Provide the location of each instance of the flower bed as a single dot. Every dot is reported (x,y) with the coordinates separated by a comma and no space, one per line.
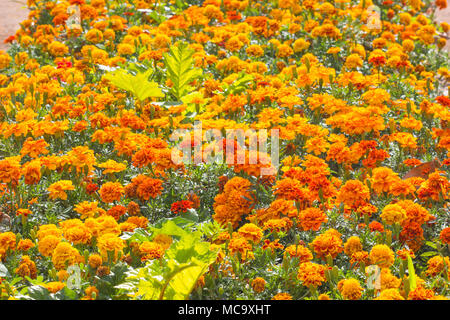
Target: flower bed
(225,150)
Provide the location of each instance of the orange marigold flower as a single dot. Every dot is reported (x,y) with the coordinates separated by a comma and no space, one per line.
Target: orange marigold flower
(258,284)
(95,261)
(382,255)
(311,274)
(251,232)
(350,289)
(282,296)
(57,189)
(25,245)
(111,191)
(420,293)
(312,219)
(149,188)
(151,250)
(327,244)
(354,193)
(445,235)
(382,179)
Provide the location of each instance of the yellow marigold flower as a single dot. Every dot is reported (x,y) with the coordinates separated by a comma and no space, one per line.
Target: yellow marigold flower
(382,255)
(95,261)
(299,251)
(112,166)
(392,214)
(388,280)
(300,45)
(352,245)
(390,294)
(5,59)
(57,189)
(65,255)
(350,289)
(87,209)
(47,244)
(163,240)
(58,49)
(109,242)
(54,286)
(284,50)
(48,229)
(125,49)
(254,50)
(151,250)
(7,241)
(94,35)
(353,61)
(251,232)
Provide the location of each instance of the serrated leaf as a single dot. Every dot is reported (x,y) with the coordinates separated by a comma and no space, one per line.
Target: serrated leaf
(180,69)
(138,84)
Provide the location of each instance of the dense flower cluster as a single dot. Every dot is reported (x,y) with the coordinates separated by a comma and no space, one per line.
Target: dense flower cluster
(348,199)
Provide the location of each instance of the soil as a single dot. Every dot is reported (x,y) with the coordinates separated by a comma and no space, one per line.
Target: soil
(12,12)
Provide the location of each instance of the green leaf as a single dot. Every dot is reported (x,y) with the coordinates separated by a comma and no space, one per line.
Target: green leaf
(180,69)
(176,274)
(429,253)
(412,274)
(137,84)
(38,292)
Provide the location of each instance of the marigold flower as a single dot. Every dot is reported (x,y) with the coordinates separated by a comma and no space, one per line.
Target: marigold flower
(392,214)
(445,235)
(299,251)
(312,218)
(311,274)
(327,244)
(151,250)
(381,255)
(282,296)
(111,191)
(57,189)
(109,242)
(258,284)
(352,245)
(65,255)
(350,289)
(95,261)
(390,294)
